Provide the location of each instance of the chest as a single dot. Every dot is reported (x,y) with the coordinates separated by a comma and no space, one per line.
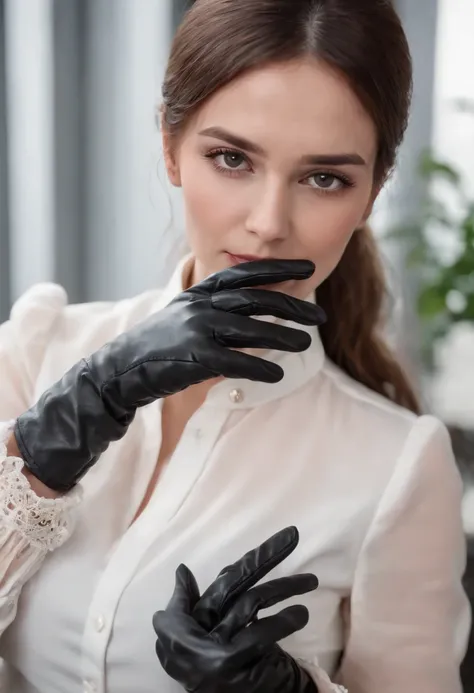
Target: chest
(176,411)
(233,479)
(86,625)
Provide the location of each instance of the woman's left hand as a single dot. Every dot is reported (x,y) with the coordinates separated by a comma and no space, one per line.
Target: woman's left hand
(215,644)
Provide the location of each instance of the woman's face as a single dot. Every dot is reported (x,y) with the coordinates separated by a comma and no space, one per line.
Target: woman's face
(277,164)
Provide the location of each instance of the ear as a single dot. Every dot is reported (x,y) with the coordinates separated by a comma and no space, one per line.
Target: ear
(170,155)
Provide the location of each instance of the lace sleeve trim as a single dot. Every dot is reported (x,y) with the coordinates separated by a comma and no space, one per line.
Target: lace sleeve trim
(45,523)
(320,677)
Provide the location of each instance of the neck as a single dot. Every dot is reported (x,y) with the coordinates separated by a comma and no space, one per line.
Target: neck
(190,274)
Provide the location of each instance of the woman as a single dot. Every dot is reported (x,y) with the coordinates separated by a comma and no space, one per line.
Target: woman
(281,120)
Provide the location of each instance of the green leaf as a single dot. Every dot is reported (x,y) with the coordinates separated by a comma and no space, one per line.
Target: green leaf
(468,228)
(436,211)
(404,232)
(438,274)
(421,255)
(429,168)
(431,302)
(467,315)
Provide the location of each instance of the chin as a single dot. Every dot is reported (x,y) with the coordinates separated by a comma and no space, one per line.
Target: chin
(201,270)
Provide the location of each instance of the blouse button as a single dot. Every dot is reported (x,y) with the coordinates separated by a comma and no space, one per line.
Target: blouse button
(99,624)
(236,396)
(89,687)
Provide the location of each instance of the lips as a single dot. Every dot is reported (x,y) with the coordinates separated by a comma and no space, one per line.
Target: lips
(238,259)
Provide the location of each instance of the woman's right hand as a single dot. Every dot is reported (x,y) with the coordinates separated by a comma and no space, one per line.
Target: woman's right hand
(191,340)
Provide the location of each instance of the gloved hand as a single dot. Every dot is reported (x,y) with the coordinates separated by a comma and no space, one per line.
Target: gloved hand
(93,404)
(215,644)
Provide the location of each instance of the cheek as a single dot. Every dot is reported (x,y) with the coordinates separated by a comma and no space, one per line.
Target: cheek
(326,230)
(211,210)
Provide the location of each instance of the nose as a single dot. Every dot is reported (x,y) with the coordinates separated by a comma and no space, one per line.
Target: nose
(270,216)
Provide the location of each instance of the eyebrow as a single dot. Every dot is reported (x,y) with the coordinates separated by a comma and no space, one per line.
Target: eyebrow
(311,159)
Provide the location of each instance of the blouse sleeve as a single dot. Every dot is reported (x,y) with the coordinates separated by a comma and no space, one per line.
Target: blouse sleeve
(410,617)
(30,526)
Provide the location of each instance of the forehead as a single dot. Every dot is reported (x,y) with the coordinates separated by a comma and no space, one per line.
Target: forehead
(305,99)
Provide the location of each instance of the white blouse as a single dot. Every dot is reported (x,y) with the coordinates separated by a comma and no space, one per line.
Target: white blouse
(373,490)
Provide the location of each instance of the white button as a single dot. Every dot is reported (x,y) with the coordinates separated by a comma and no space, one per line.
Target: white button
(198,433)
(89,687)
(99,624)
(236,396)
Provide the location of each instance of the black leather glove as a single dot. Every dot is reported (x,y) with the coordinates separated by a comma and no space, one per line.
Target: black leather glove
(76,419)
(215,644)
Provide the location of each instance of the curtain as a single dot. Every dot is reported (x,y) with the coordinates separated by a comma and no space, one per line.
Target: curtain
(84,199)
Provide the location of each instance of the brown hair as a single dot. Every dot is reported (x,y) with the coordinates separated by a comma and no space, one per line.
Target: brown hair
(218,40)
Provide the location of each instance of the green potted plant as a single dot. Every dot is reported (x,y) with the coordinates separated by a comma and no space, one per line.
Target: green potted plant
(439,248)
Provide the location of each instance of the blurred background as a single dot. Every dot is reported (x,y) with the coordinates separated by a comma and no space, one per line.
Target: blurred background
(84,199)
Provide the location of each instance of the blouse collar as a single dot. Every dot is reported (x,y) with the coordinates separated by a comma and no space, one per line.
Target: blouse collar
(241,393)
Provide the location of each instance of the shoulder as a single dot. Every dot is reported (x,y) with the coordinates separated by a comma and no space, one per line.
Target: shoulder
(401,462)
(45,307)
(38,308)
(381,437)
(100,321)
(52,334)
(354,394)
(358,408)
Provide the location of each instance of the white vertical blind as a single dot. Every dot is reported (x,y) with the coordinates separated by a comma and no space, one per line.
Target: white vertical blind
(127,205)
(29,99)
(88,203)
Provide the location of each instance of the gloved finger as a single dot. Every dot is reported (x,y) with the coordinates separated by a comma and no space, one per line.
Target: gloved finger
(260,597)
(186,591)
(235,364)
(271,629)
(182,646)
(240,333)
(237,578)
(257,273)
(261,302)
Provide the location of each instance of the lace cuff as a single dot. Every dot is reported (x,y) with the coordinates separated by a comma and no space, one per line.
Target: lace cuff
(45,523)
(320,677)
